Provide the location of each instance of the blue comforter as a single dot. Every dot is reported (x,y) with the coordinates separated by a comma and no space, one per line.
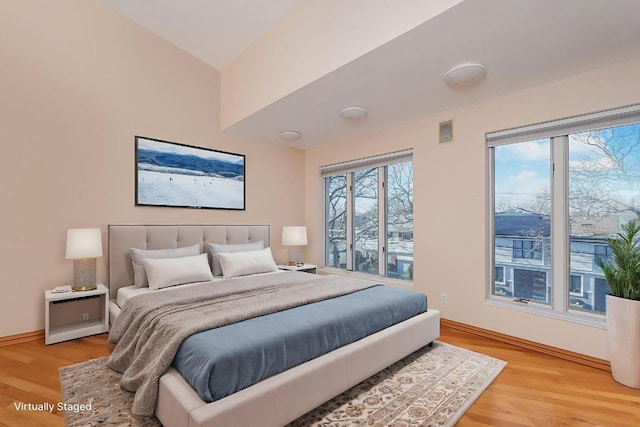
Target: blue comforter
(221,361)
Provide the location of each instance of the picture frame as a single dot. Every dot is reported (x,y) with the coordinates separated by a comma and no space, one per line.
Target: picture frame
(171,174)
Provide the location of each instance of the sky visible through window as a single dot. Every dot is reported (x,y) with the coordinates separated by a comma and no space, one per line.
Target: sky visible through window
(522,175)
(607,162)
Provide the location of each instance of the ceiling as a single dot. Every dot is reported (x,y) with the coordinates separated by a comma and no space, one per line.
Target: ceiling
(215,31)
(521,44)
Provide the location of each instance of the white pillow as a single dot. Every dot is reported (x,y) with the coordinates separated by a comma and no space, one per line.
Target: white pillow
(216,248)
(243,263)
(164,272)
(137,255)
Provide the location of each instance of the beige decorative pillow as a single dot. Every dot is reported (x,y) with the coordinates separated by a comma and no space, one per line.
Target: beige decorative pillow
(164,272)
(137,255)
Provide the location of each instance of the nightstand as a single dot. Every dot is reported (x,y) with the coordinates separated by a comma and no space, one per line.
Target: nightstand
(306,268)
(71,315)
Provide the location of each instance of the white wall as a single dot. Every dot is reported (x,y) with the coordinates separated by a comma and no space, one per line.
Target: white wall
(77,82)
(450,197)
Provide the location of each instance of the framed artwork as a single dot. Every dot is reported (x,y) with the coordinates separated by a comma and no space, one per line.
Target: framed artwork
(178,175)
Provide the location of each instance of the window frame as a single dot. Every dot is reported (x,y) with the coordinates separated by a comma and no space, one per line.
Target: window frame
(558,132)
(326,214)
(350,168)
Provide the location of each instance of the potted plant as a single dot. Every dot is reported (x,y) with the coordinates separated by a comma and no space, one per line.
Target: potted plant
(622,273)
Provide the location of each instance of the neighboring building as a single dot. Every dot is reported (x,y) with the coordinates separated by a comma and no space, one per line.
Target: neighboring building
(523,256)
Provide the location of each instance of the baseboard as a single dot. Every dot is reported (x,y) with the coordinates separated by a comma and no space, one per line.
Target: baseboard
(20,338)
(529,345)
(463,327)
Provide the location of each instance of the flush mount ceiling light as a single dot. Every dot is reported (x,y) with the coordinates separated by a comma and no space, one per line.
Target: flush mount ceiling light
(353,113)
(464,74)
(290,135)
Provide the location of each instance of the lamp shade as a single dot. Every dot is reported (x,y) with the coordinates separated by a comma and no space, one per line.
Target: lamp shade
(84,243)
(294,235)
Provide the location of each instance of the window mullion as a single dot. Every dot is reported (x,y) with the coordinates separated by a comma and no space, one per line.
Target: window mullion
(382,221)
(349,237)
(490,221)
(560,245)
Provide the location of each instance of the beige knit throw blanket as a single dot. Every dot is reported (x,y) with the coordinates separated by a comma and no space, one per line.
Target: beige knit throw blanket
(151,327)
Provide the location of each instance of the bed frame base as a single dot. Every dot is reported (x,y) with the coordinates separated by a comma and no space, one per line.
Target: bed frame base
(283,398)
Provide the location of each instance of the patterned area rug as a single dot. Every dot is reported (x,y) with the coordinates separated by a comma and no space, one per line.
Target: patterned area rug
(431,387)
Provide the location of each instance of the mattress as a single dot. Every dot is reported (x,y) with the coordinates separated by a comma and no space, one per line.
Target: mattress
(127,292)
(222,361)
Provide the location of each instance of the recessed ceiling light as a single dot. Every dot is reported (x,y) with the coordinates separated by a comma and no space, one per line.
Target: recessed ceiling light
(353,113)
(290,135)
(464,74)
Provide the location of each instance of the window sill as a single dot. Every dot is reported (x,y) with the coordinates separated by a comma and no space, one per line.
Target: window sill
(372,277)
(592,320)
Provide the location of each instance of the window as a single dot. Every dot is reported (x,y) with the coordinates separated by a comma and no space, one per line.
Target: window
(575,285)
(601,290)
(522,218)
(369,215)
(558,190)
(365,220)
(501,287)
(336,221)
(399,219)
(527,249)
(602,252)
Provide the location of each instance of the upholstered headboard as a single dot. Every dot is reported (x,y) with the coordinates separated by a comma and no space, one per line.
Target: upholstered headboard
(124,237)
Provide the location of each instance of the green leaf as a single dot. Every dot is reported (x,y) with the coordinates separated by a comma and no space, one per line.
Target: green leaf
(623,271)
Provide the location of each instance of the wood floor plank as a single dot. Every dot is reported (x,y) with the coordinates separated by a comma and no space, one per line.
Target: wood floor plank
(546,391)
(29,373)
(533,390)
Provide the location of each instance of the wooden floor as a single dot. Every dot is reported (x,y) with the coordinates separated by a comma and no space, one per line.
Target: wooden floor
(539,390)
(533,390)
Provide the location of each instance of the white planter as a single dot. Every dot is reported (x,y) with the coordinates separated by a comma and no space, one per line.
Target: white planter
(623,335)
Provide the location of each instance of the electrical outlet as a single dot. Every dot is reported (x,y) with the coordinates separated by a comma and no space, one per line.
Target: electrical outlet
(85,316)
(443,298)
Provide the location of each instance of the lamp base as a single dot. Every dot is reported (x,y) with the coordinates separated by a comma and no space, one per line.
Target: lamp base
(84,288)
(84,274)
(295,256)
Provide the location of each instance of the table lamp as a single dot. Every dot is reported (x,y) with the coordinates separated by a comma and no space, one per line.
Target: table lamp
(83,246)
(294,236)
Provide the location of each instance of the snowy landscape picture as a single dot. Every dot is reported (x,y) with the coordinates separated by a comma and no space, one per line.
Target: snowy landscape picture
(178,175)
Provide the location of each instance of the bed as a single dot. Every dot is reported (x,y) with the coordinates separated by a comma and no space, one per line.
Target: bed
(280,398)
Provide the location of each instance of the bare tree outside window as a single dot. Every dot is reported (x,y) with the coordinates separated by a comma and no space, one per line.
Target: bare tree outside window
(336,221)
(365,221)
(604,190)
(367,230)
(400,220)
